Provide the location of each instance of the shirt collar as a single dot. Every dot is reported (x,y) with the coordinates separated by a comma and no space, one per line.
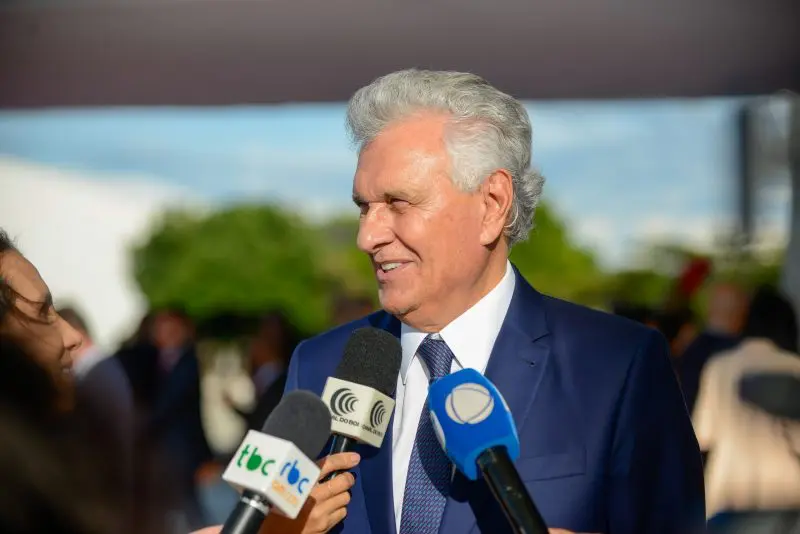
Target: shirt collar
(91,357)
(471,335)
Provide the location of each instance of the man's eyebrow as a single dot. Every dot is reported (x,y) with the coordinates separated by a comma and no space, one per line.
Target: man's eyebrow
(358,200)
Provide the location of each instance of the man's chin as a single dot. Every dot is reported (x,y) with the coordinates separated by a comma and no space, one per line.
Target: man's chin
(397,308)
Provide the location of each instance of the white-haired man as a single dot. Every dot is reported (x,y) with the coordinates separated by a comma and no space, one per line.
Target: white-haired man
(445,188)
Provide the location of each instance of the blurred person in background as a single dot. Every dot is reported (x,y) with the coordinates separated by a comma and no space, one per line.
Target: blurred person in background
(676,320)
(269,352)
(346,309)
(173,421)
(750,465)
(727,308)
(678,326)
(103,392)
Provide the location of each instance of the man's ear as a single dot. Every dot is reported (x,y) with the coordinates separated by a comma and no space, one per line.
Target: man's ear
(498,196)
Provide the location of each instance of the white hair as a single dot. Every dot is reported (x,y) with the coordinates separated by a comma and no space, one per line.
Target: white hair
(489,130)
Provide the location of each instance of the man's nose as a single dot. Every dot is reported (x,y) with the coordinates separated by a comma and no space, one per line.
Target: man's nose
(374,230)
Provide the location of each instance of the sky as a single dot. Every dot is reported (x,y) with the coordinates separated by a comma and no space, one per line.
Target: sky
(620,172)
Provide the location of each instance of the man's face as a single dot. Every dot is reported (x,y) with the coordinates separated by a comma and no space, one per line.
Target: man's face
(35,325)
(426,238)
(170,331)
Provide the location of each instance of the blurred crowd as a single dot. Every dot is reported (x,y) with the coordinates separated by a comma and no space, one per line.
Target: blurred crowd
(115,442)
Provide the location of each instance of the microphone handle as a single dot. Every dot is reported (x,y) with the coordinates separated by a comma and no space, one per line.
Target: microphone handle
(248,516)
(508,489)
(339,444)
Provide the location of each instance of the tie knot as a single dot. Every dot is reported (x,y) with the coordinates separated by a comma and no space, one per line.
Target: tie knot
(437,356)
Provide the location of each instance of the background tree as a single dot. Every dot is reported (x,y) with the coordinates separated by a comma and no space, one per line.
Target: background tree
(557,266)
(246,259)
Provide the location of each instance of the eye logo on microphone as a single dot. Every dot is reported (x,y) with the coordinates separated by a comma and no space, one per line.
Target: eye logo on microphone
(469,404)
(343,402)
(377,414)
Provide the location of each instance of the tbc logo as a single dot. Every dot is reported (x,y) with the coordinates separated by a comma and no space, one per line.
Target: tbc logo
(255,462)
(343,402)
(377,414)
(294,477)
(469,404)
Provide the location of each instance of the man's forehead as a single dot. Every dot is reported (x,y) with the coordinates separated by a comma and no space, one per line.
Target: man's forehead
(410,169)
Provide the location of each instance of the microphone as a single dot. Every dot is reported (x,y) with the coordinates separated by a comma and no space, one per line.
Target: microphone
(274,467)
(360,395)
(475,428)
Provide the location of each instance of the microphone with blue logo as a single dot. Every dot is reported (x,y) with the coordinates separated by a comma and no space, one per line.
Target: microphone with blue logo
(273,468)
(477,432)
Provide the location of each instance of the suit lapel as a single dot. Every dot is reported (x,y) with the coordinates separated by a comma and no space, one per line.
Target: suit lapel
(376,465)
(517,363)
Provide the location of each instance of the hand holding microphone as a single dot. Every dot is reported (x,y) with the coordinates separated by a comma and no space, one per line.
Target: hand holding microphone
(272,467)
(326,505)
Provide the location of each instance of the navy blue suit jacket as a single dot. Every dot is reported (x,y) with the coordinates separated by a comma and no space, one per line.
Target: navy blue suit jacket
(606,443)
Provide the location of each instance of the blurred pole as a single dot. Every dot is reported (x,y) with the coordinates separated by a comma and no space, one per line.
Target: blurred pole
(791,268)
(747,173)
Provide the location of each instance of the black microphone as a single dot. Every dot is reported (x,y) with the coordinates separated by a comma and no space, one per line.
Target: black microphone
(361,393)
(274,467)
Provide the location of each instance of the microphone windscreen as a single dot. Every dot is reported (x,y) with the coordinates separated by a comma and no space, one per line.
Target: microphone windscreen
(371,358)
(470,416)
(301,418)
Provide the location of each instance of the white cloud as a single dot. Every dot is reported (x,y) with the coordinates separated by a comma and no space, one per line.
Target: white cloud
(600,234)
(77,229)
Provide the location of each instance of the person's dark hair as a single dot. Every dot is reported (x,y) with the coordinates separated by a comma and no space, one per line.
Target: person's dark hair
(25,387)
(74,319)
(289,335)
(772,316)
(672,321)
(7,295)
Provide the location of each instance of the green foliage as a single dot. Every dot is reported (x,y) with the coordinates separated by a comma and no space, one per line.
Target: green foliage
(245,259)
(641,287)
(249,259)
(555,265)
(344,262)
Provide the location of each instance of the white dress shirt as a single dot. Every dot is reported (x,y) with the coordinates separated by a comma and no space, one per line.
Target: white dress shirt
(470,337)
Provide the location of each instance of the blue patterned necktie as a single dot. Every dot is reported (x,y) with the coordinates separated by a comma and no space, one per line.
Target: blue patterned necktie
(428,478)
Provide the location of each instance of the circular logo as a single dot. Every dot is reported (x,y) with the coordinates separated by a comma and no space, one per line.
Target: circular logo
(343,402)
(377,414)
(469,404)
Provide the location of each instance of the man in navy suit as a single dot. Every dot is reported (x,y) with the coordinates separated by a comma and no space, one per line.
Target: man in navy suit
(445,189)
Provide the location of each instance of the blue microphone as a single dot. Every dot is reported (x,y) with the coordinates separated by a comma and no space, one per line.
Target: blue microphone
(477,432)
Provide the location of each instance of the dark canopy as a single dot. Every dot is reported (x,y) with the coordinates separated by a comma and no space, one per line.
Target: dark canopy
(207,52)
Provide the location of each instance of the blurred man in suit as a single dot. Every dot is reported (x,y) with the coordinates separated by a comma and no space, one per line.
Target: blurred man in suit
(102,388)
(727,308)
(270,350)
(173,421)
(445,188)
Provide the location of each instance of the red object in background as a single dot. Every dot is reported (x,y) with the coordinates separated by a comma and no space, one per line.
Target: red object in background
(693,276)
